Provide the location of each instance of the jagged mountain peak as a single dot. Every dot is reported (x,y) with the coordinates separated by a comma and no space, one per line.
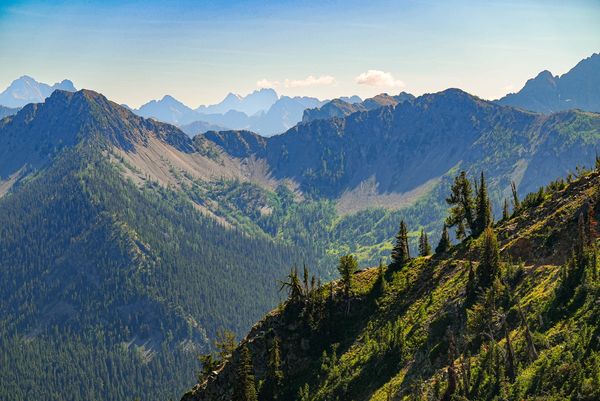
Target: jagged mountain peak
(26,89)
(546,93)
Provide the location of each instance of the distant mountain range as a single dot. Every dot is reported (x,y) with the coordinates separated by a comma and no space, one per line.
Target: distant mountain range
(431,135)
(577,89)
(270,114)
(341,108)
(26,90)
(258,101)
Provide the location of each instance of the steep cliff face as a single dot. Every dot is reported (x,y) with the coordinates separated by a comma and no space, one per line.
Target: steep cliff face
(413,333)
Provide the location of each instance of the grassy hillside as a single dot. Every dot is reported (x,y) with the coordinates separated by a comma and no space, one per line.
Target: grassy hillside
(426,332)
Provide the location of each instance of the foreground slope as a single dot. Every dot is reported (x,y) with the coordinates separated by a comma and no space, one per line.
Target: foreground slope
(415,334)
(112,279)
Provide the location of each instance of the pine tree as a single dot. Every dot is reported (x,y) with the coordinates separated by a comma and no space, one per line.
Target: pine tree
(444,244)
(461,202)
(294,286)
(347,266)
(245,386)
(471,290)
(489,264)
(400,252)
(505,212)
(483,208)
(516,202)
(274,375)
(424,247)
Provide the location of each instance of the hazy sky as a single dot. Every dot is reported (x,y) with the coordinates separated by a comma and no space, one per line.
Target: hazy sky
(198,51)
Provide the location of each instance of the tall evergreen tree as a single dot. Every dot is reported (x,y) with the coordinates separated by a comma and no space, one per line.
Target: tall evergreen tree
(505,211)
(401,252)
(471,290)
(483,208)
(489,263)
(424,247)
(516,202)
(274,376)
(444,244)
(461,202)
(347,266)
(246,387)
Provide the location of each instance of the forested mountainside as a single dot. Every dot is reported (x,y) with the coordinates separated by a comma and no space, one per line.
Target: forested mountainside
(510,313)
(433,135)
(579,88)
(110,286)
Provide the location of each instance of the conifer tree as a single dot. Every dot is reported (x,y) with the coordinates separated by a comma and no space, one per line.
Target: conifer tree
(444,244)
(400,252)
(516,202)
(505,212)
(294,286)
(245,386)
(489,264)
(424,247)
(483,208)
(347,266)
(274,375)
(471,290)
(461,202)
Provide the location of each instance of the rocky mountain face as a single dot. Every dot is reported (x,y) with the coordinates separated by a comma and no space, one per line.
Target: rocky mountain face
(341,108)
(258,101)
(415,332)
(26,90)
(577,89)
(432,134)
(168,110)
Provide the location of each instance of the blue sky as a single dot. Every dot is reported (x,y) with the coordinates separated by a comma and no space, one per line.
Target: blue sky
(198,51)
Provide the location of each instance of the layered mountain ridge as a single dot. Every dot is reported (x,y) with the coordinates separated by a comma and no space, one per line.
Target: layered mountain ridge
(579,88)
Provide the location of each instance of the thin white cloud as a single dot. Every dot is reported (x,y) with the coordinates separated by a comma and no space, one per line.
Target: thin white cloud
(379,79)
(311,80)
(265,83)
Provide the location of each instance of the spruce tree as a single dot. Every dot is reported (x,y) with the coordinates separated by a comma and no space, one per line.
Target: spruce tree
(483,208)
(347,266)
(400,252)
(424,247)
(489,264)
(505,212)
(471,290)
(274,375)
(444,244)
(461,202)
(245,386)
(516,202)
